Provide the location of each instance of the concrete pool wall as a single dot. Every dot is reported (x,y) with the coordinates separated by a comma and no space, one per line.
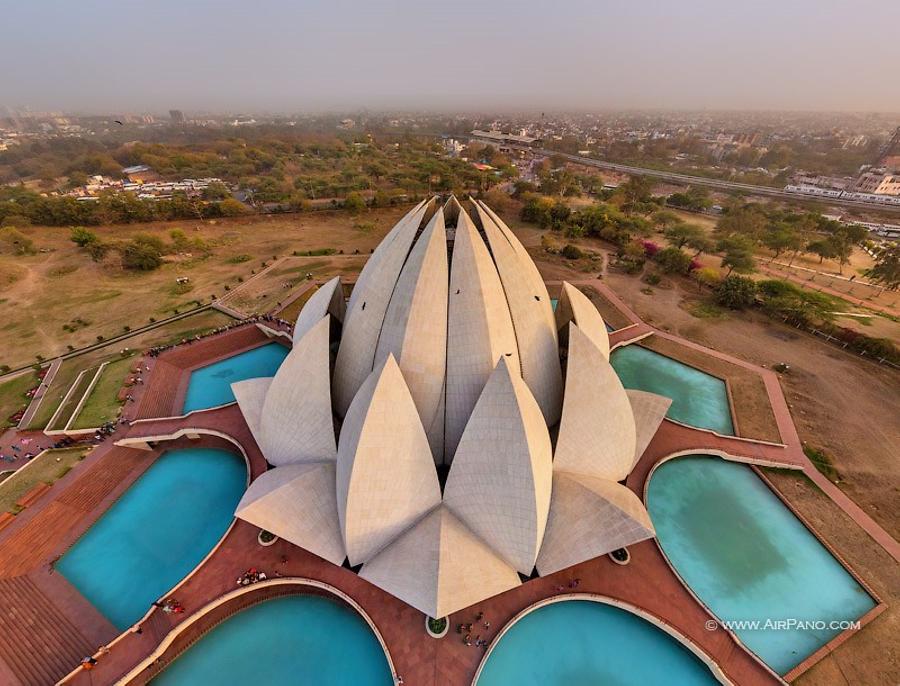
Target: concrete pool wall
(658,622)
(879,606)
(223,608)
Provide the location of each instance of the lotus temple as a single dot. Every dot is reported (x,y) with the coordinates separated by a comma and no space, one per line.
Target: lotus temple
(444,471)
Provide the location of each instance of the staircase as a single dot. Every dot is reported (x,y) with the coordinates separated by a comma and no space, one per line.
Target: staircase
(37,642)
(28,547)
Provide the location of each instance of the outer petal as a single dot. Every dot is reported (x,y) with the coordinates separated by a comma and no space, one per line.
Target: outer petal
(386,480)
(296,423)
(298,503)
(596,432)
(649,410)
(590,517)
(251,396)
(576,307)
(328,299)
(500,481)
(439,566)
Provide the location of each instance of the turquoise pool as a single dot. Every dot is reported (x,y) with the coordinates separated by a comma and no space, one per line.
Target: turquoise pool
(156,533)
(748,557)
(698,399)
(211,386)
(579,642)
(289,640)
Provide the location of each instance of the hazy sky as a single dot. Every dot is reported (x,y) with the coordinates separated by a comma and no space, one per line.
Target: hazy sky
(280,55)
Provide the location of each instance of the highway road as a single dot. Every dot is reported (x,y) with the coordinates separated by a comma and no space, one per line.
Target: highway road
(685,179)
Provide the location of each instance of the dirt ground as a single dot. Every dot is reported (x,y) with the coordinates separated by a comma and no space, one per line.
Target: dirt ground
(42,293)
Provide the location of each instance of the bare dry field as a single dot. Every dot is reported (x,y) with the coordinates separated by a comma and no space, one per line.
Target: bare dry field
(268,290)
(40,294)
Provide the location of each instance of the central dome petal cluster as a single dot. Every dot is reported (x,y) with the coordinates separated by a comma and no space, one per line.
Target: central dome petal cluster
(447,361)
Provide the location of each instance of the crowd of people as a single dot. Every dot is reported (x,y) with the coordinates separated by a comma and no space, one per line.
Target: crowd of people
(26,448)
(251,576)
(465,630)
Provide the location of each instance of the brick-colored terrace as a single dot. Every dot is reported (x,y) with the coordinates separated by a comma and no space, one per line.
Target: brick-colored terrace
(28,546)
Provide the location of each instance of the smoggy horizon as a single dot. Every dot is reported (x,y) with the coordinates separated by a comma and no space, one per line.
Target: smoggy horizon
(99,57)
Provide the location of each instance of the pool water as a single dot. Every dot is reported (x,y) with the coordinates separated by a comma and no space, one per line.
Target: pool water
(748,557)
(698,399)
(299,639)
(579,642)
(210,386)
(156,533)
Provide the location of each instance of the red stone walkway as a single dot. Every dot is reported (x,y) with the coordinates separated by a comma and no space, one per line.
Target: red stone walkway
(647,583)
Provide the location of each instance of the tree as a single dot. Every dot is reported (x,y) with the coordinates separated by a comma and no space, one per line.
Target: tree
(824,248)
(679,234)
(843,238)
(666,219)
(748,221)
(636,190)
(886,270)
(232,207)
(15,220)
(781,237)
(701,244)
(695,199)
(633,256)
(736,292)
(673,261)
(142,256)
(707,276)
(738,254)
(216,191)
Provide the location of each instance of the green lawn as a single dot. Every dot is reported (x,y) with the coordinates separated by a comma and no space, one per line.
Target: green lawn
(48,468)
(102,404)
(12,396)
(79,390)
(184,328)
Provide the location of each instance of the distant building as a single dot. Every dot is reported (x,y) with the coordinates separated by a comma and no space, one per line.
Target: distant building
(177,116)
(500,138)
(140,173)
(878,182)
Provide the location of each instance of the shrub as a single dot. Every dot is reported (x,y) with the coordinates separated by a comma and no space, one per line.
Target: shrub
(83,237)
(673,260)
(650,248)
(15,242)
(572,252)
(736,292)
(140,256)
(354,203)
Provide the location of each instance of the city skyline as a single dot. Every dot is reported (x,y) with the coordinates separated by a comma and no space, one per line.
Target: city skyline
(100,57)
